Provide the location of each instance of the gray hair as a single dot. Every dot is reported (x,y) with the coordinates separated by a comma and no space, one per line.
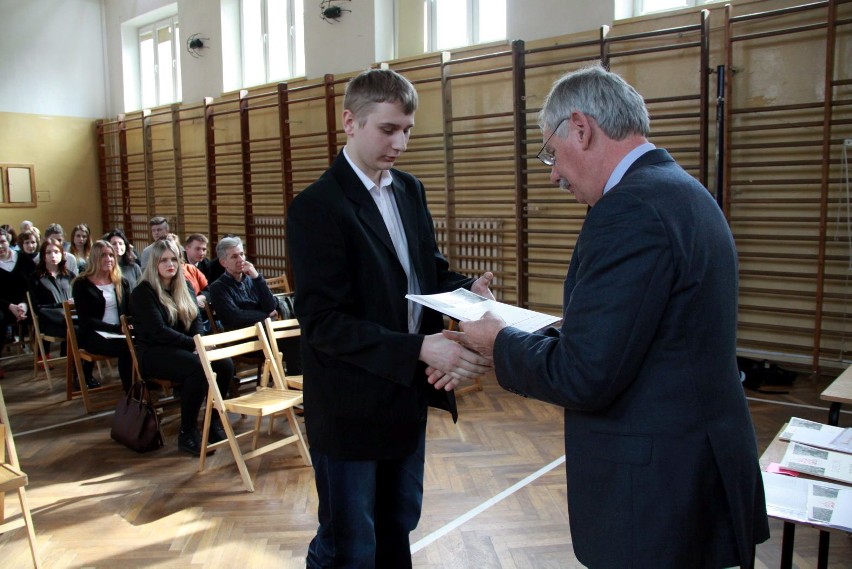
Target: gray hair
(617,107)
(225,244)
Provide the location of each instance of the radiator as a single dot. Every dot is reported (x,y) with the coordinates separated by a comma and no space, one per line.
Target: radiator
(479,246)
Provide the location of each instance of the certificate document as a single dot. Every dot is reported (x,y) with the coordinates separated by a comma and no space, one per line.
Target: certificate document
(463,305)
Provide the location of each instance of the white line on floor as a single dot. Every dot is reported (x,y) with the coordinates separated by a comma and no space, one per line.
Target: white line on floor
(56,426)
(435,535)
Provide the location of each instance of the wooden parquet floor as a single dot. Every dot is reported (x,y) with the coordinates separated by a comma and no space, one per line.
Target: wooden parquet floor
(495,493)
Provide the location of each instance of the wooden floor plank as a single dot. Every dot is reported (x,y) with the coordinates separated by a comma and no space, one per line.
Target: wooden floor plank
(97,504)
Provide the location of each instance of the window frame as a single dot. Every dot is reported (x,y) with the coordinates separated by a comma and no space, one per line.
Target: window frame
(639,6)
(172,23)
(431,28)
(295,68)
(6,190)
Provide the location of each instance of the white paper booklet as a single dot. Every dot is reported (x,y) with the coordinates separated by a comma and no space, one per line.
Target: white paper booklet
(806,500)
(464,305)
(818,462)
(818,435)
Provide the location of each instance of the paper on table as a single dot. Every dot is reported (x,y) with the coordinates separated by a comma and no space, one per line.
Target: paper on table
(803,500)
(818,435)
(818,462)
(110,335)
(463,305)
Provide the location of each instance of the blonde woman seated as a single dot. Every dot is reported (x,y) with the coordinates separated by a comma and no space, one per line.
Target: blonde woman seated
(165,319)
(100,296)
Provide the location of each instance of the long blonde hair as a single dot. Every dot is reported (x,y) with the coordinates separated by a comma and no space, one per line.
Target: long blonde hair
(94,263)
(177,300)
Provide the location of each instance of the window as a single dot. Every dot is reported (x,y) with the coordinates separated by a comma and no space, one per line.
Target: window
(457,23)
(17,185)
(159,63)
(273,44)
(650,6)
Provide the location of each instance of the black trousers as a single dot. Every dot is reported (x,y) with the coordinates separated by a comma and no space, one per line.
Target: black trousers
(112,347)
(184,367)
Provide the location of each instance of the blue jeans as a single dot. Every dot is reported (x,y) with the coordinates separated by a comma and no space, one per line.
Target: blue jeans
(367,508)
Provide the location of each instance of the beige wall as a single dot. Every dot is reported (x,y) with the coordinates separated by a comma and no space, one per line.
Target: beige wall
(64,154)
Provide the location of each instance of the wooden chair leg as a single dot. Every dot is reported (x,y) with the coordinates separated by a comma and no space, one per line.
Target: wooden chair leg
(28,523)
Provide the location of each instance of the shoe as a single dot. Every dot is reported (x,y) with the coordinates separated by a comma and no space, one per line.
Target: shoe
(92,383)
(41,361)
(217,431)
(190,441)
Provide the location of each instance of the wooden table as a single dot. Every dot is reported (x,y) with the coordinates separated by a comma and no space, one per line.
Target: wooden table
(839,392)
(774,453)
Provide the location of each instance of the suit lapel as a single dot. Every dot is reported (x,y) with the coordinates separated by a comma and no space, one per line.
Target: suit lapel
(365,207)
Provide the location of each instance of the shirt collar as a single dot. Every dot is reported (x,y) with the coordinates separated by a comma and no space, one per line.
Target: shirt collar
(386,179)
(626,163)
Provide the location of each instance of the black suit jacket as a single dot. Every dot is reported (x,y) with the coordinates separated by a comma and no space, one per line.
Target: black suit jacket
(365,391)
(660,450)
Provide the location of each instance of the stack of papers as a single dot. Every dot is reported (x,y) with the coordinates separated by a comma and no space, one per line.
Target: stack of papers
(819,450)
(808,501)
(463,305)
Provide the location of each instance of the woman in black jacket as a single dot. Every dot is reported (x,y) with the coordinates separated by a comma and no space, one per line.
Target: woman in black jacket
(130,269)
(15,271)
(165,319)
(50,286)
(101,296)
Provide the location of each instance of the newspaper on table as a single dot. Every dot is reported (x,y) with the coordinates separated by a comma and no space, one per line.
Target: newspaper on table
(808,501)
(818,435)
(463,305)
(818,462)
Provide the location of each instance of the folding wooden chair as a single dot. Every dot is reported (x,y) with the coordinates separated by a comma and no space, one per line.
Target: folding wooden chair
(39,339)
(264,402)
(279,284)
(78,356)
(127,328)
(12,478)
(250,366)
(278,330)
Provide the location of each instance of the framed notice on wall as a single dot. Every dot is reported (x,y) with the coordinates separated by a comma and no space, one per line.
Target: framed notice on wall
(17,185)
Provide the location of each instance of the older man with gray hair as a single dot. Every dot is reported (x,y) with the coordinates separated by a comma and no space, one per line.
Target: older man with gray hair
(241,297)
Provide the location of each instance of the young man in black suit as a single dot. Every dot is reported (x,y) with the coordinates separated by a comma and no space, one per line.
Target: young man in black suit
(361,238)
(660,450)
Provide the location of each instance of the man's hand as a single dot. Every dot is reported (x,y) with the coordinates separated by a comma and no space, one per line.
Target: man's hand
(449,362)
(201,301)
(480,285)
(478,335)
(249,270)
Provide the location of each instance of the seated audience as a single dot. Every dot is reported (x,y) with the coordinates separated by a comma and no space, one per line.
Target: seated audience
(101,297)
(15,271)
(192,274)
(50,286)
(26,225)
(196,254)
(28,243)
(241,298)
(81,245)
(13,236)
(165,319)
(159,229)
(55,231)
(130,269)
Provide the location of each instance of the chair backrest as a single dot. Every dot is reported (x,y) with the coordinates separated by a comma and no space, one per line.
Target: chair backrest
(279,284)
(278,330)
(70,331)
(127,328)
(8,445)
(232,344)
(211,317)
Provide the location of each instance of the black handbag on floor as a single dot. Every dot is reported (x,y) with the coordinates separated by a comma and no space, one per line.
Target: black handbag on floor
(135,424)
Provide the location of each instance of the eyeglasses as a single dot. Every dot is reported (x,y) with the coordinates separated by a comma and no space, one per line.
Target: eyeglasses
(546,156)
